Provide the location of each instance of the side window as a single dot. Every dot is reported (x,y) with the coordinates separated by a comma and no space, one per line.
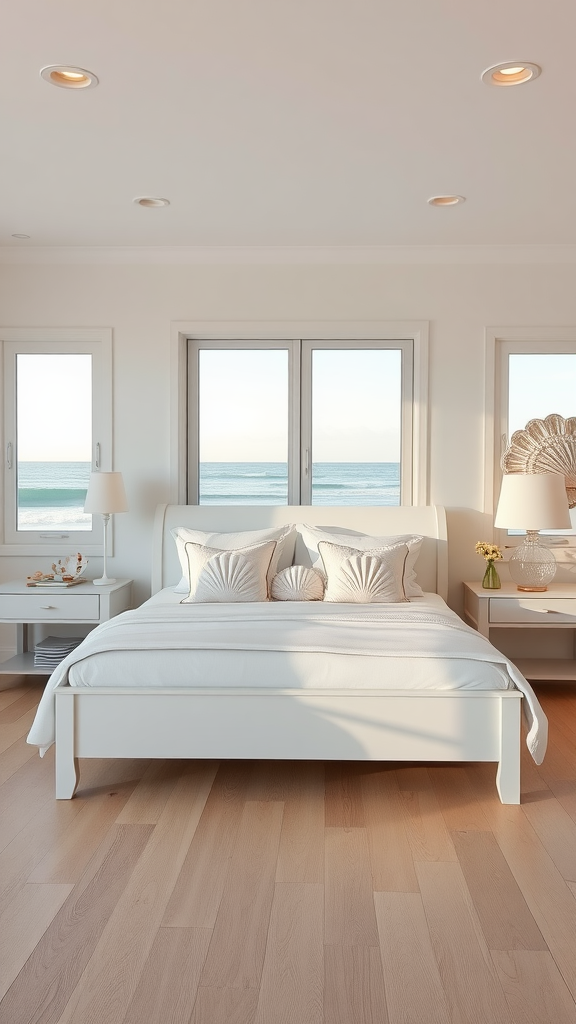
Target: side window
(535,380)
(301,422)
(539,384)
(57,399)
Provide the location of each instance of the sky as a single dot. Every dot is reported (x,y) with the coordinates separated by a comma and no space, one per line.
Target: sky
(244,405)
(540,385)
(54,400)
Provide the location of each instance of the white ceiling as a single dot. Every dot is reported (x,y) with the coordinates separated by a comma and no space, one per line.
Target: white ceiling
(287,123)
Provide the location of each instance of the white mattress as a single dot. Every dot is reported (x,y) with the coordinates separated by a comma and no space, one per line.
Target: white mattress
(292,669)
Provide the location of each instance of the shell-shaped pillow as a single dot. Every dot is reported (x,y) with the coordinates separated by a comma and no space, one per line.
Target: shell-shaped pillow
(297,583)
(285,537)
(362,577)
(312,535)
(228,576)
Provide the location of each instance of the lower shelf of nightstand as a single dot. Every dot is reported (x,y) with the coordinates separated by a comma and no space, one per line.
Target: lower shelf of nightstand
(547,669)
(22,665)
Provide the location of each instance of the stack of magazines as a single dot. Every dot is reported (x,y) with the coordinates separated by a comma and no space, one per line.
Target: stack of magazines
(48,653)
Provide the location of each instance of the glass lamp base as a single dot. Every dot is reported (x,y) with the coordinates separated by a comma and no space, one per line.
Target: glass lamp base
(532,565)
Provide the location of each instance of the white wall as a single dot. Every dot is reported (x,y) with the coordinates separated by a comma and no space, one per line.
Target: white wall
(140,301)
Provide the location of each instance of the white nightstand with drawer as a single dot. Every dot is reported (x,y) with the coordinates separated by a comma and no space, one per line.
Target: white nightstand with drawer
(510,608)
(84,604)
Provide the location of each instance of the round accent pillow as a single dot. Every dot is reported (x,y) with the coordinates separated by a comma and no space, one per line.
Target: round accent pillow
(297,583)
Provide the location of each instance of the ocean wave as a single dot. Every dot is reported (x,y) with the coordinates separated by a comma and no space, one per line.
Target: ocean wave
(219,475)
(51,496)
(242,498)
(332,487)
(61,519)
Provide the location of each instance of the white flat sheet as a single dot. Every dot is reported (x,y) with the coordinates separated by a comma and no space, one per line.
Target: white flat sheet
(272,668)
(421,645)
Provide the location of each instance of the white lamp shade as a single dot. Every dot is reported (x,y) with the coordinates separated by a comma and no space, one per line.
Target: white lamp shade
(106,494)
(533,501)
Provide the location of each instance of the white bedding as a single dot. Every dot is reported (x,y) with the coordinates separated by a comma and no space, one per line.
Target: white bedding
(418,645)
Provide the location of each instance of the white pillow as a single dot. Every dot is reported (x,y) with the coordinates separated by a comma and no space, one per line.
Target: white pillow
(285,537)
(312,535)
(228,576)
(363,577)
(297,583)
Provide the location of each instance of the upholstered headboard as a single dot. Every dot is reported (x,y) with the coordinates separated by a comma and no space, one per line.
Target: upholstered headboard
(428,520)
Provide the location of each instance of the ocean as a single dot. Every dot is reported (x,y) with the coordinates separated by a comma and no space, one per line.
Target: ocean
(51,494)
(333,483)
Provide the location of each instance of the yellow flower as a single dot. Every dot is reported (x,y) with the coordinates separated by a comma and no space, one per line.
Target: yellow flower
(490,552)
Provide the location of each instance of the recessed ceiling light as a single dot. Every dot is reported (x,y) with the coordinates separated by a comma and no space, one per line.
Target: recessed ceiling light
(20,236)
(68,77)
(151,201)
(512,72)
(446,200)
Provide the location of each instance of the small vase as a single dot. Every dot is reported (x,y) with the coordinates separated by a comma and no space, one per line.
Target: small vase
(491,579)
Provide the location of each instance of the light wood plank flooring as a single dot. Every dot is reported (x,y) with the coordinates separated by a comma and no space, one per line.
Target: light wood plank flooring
(286,893)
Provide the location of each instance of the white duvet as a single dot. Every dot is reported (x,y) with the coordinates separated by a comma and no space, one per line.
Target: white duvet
(417,645)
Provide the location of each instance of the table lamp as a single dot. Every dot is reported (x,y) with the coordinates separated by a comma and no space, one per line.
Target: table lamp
(105,495)
(532,502)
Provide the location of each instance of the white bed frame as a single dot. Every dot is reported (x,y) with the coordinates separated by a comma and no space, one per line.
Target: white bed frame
(223,723)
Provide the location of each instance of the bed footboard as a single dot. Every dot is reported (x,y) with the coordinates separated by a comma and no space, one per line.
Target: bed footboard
(391,725)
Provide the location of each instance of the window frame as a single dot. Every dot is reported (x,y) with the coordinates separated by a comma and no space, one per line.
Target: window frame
(500,344)
(411,336)
(97,343)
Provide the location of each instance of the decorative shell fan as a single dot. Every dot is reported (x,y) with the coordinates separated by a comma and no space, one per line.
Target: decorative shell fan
(545,446)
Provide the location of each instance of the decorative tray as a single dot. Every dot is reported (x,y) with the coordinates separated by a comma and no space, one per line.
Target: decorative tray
(50,581)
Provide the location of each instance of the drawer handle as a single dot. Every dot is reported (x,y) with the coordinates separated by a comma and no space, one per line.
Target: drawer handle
(47,607)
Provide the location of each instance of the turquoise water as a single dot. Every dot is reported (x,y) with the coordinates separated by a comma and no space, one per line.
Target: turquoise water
(51,496)
(333,483)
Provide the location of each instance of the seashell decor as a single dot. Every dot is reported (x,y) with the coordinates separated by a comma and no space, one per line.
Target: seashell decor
(545,446)
(297,583)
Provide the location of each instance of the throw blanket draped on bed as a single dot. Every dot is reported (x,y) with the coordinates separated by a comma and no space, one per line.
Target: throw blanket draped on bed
(386,630)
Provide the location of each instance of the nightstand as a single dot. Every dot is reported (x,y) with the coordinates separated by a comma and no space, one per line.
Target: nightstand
(84,603)
(510,608)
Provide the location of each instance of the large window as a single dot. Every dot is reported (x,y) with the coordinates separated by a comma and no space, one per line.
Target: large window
(306,421)
(57,429)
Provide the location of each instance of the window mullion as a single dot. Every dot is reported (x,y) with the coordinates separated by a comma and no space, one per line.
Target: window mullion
(193,428)
(408,457)
(10,438)
(306,424)
(294,448)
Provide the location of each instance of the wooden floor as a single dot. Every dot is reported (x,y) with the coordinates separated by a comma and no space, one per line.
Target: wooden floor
(286,893)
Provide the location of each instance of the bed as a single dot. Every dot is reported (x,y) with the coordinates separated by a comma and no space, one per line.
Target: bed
(291,679)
